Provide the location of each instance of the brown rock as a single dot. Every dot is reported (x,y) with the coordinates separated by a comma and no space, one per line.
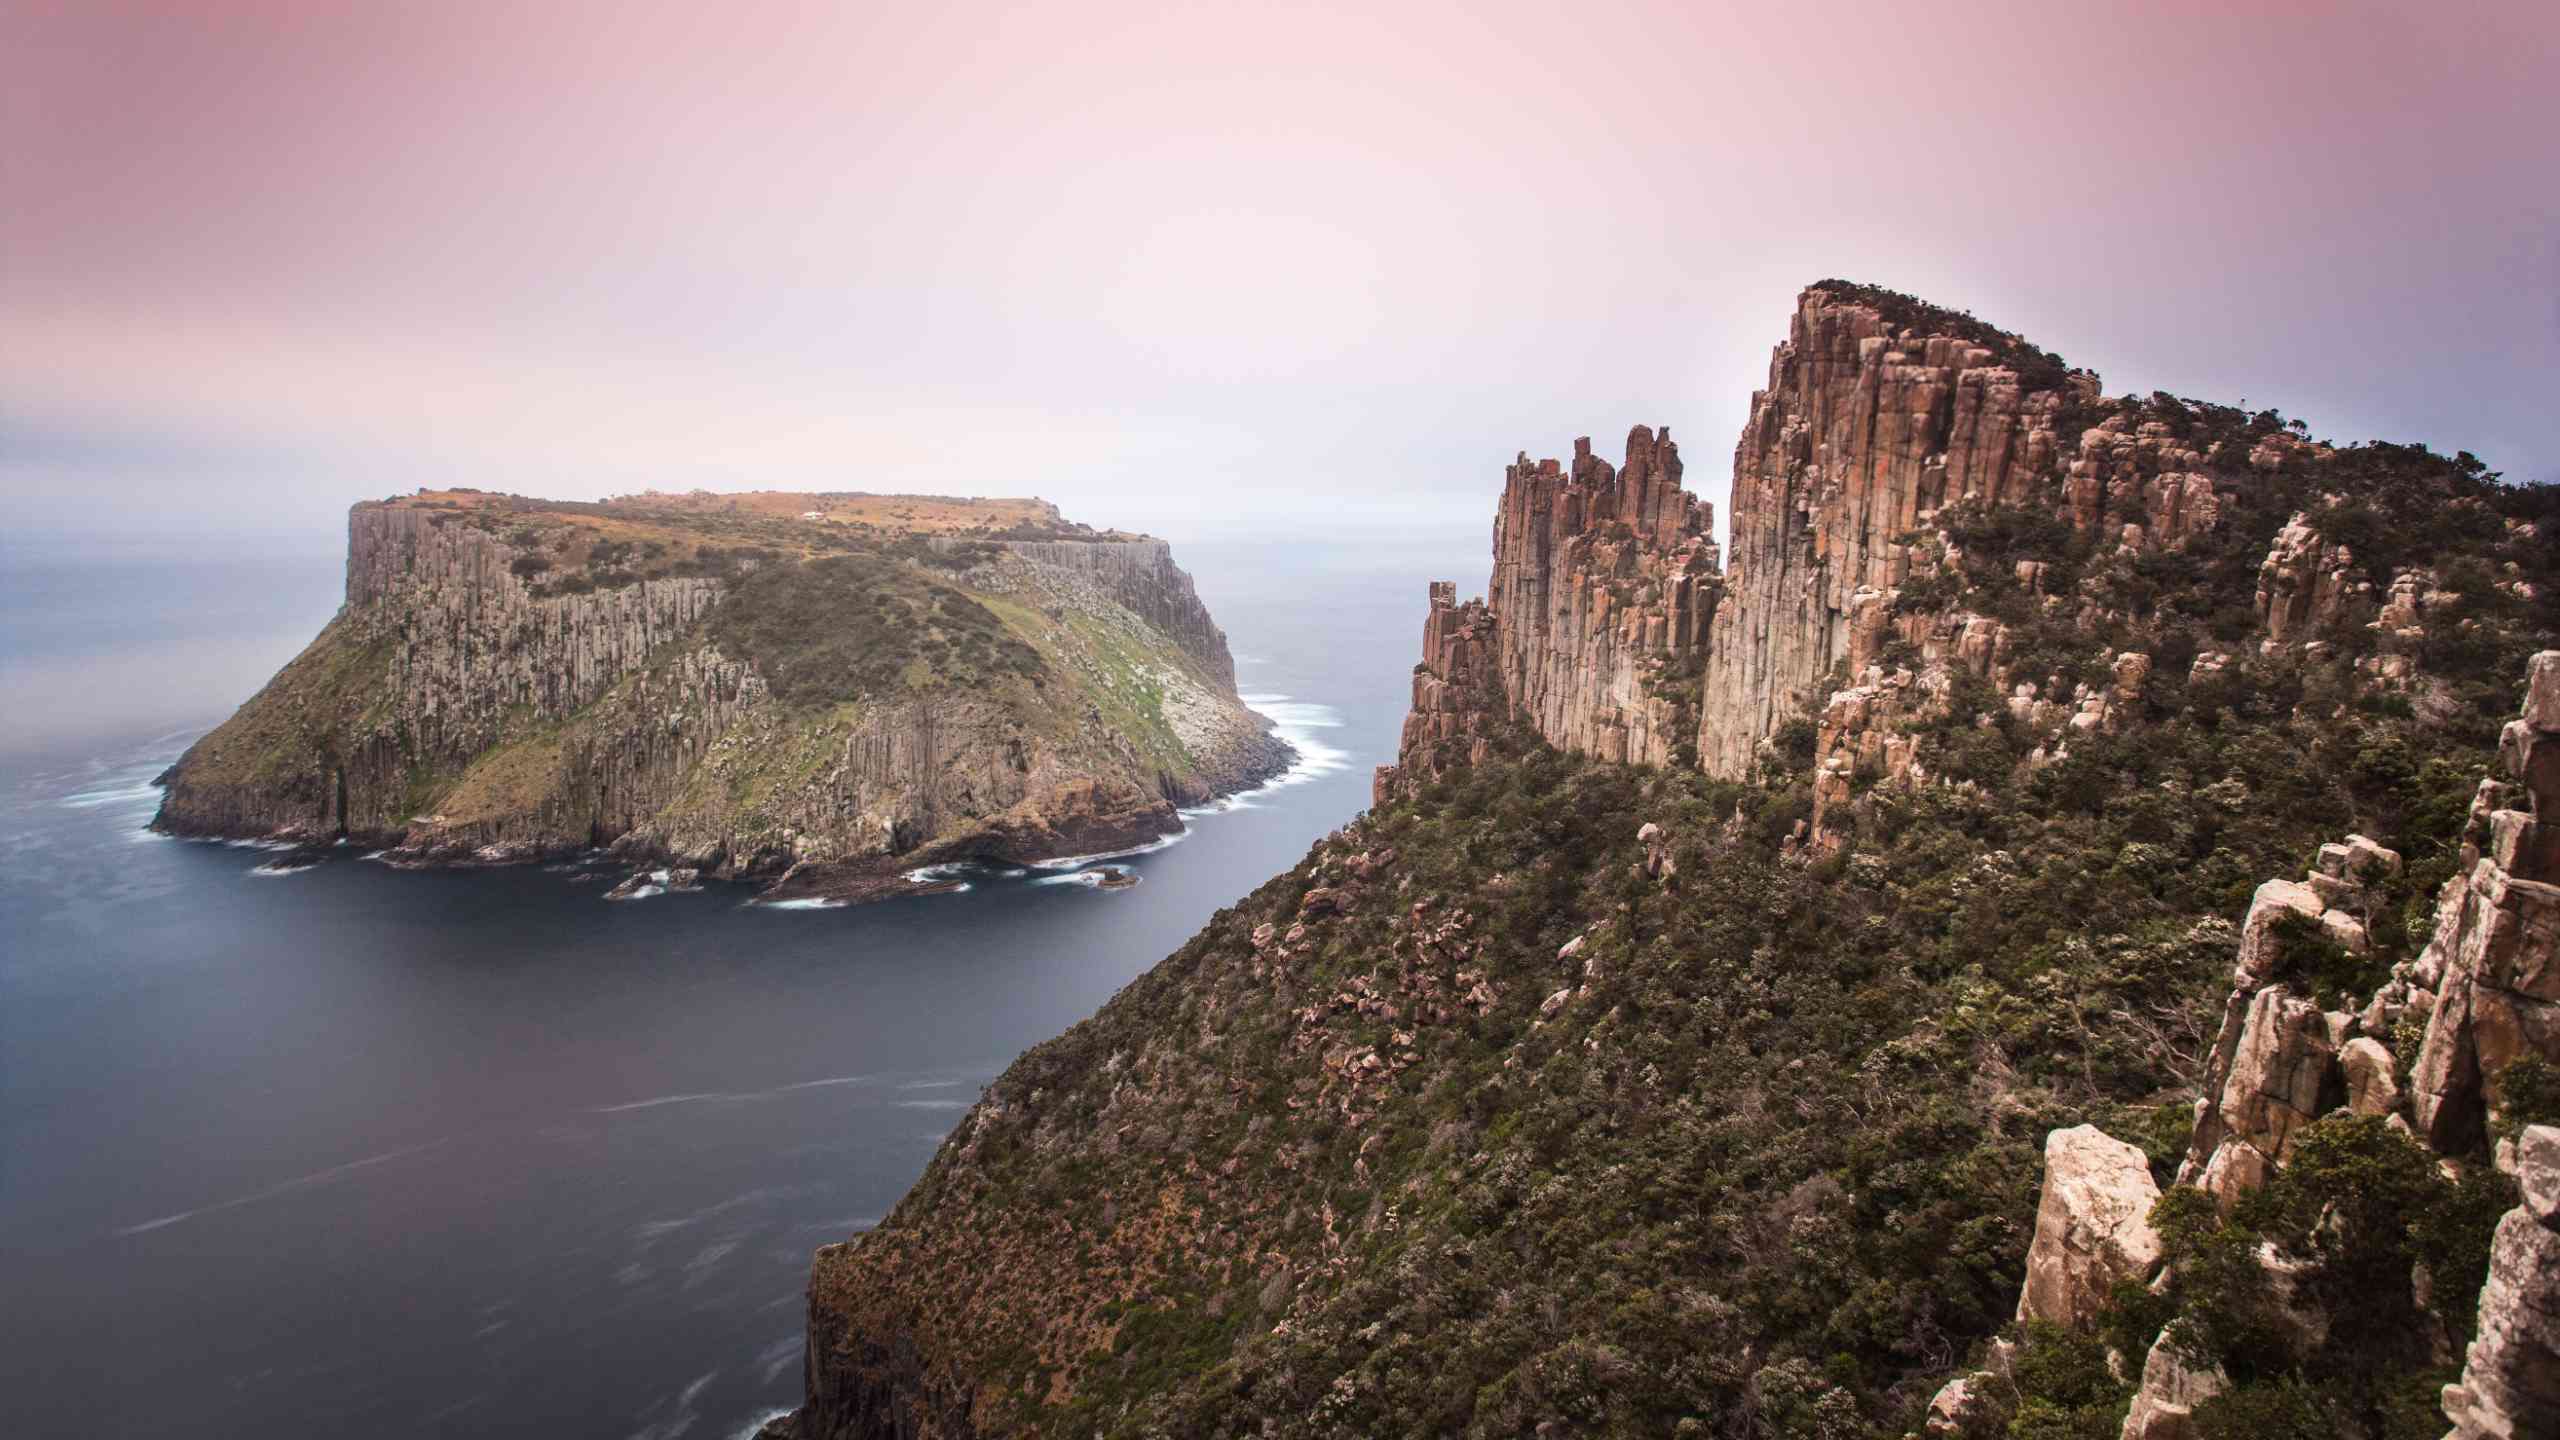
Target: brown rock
(2093,1226)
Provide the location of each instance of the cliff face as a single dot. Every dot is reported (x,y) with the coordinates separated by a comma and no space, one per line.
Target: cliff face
(1140,576)
(1861,437)
(1557,1095)
(508,680)
(1603,584)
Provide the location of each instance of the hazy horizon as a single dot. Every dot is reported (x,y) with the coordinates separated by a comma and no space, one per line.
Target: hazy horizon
(1203,270)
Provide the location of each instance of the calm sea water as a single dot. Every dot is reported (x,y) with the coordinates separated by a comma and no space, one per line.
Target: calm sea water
(361,1151)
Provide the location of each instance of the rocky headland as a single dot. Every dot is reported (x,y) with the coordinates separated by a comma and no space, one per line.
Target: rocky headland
(1836,988)
(817,692)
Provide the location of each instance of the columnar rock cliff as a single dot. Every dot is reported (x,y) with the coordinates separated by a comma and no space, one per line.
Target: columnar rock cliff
(1758,996)
(750,693)
(1603,583)
(1140,576)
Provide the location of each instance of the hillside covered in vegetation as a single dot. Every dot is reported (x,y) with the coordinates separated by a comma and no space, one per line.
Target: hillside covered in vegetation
(2027,949)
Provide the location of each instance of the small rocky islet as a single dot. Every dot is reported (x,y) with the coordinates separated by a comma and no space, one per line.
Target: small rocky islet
(816,693)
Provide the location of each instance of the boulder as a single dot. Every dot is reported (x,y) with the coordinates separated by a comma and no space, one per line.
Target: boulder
(2093,1226)
(2373,1083)
(1951,1407)
(2260,945)
(2164,1406)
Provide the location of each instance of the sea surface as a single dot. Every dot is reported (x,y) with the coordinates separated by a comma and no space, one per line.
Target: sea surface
(348,1150)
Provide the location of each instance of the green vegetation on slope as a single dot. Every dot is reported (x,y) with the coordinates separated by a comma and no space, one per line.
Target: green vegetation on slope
(846,626)
(1761,1156)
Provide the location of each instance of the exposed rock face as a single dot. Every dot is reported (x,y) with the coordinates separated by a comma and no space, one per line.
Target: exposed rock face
(1140,576)
(2495,954)
(466,646)
(1603,581)
(2164,1405)
(1861,435)
(2305,585)
(2093,1226)
(1457,694)
(458,710)
(2510,1386)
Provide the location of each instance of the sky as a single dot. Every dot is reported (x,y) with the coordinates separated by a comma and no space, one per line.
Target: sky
(1204,269)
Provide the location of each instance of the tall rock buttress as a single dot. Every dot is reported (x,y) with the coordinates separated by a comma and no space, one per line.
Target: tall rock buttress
(1862,435)
(1604,581)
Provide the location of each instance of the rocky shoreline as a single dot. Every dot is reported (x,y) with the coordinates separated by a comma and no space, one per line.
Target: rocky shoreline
(1255,760)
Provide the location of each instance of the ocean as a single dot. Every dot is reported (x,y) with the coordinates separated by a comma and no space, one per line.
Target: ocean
(354,1150)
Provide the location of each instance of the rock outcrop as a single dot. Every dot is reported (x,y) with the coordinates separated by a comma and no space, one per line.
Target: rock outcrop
(1603,583)
(2305,585)
(1458,703)
(1604,580)
(2494,958)
(511,679)
(2510,1385)
(2093,1226)
(1865,431)
(1140,576)
(2164,1403)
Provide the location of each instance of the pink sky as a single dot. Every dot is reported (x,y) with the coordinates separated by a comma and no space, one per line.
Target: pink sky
(1205,268)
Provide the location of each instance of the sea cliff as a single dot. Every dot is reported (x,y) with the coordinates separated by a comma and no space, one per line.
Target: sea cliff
(812,691)
(1839,993)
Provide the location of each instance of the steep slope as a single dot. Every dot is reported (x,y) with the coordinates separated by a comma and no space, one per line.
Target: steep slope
(1566,1095)
(824,687)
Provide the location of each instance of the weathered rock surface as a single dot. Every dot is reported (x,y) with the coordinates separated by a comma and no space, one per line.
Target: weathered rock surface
(1140,576)
(2164,1404)
(1603,582)
(2495,954)
(1861,435)
(2510,1385)
(2305,586)
(2093,1226)
(1458,702)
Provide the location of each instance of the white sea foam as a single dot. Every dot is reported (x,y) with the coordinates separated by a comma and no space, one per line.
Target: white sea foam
(1078,862)
(763,1417)
(119,795)
(707,1097)
(274,868)
(300,1182)
(1093,878)
(655,1101)
(1298,722)
(811,902)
